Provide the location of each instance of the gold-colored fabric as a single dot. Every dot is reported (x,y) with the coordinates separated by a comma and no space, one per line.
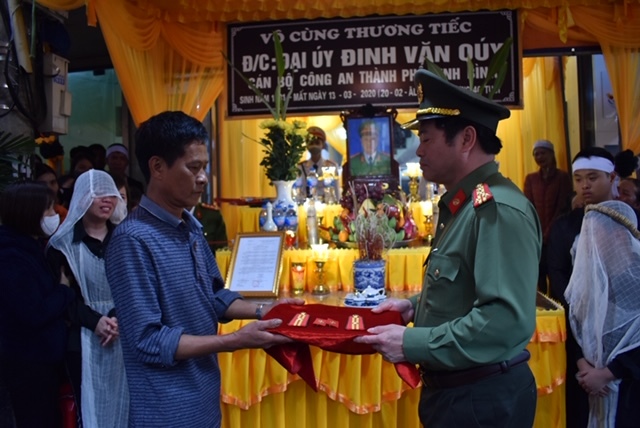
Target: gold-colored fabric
(363,390)
(541,118)
(167,57)
(404,268)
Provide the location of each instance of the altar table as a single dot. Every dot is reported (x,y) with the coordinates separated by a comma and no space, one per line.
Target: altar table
(363,391)
(404,267)
(243,219)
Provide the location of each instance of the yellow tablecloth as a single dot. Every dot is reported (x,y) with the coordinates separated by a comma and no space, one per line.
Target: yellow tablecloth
(404,268)
(363,390)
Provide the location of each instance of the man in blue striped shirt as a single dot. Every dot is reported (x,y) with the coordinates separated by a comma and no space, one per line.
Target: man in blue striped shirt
(167,288)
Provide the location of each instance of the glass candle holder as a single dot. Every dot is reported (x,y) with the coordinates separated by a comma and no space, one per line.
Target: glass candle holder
(297,278)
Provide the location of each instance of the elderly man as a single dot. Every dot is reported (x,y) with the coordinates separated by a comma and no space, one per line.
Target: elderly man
(549,190)
(117,164)
(477,310)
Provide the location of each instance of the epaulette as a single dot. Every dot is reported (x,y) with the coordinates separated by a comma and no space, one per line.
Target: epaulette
(481,194)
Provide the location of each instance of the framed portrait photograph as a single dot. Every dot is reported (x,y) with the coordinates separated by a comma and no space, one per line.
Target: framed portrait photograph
(369,146)
(256,263)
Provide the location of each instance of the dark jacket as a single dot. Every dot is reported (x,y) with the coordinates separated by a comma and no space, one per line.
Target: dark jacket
(33,304)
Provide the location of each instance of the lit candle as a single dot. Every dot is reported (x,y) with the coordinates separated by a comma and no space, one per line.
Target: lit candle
(413,169)
(427,207)
(320,252)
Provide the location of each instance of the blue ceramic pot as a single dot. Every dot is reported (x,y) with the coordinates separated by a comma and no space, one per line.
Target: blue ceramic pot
(368,273)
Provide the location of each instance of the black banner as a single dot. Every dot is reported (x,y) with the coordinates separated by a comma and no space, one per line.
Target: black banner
(342,64)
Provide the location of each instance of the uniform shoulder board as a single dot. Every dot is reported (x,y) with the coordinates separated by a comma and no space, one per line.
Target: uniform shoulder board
(481,194)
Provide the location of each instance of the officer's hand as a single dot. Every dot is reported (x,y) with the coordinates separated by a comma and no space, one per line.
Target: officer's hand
(286,300)
(254,335)
(387,340)
(399,305)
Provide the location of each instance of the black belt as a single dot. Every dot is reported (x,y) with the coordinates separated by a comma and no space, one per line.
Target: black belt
(452,379)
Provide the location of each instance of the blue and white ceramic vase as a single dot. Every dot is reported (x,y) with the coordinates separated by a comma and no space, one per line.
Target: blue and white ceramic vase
(369,274)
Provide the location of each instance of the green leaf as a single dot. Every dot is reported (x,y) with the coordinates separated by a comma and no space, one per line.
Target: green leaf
(497,62)
(432,67)
(499,81)
(470,72)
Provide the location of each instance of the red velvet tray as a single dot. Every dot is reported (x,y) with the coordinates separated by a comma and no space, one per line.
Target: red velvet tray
(296,357)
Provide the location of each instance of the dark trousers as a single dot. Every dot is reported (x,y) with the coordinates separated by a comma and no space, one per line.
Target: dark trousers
(504,400)
(33,390)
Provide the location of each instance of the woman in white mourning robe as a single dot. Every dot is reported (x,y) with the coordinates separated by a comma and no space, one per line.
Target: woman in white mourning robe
(604,312)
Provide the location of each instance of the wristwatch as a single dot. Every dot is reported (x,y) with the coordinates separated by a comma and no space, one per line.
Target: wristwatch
(259,311)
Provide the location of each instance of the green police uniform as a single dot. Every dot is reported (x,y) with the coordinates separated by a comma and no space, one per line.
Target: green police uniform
(477,309)
(381,165)
(213,225)
(477,305)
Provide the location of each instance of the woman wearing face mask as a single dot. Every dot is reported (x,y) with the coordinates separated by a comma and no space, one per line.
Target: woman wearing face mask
(33,333)
(94,354)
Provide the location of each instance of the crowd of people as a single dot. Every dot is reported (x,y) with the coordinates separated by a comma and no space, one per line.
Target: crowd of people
(113,287)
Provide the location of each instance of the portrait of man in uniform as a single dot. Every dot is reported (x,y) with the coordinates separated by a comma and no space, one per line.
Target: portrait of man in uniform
(369,146)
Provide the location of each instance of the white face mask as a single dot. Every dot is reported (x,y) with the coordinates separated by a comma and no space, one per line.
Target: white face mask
(49,224)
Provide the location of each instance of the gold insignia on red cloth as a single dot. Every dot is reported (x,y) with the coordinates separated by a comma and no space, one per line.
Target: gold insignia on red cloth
(299,320)
(481,194)
(457,201)
(320,321)
(296,356)
(332,323)
(355,322)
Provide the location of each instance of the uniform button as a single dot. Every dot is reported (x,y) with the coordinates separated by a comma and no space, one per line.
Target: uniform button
(441,226)
(437,273)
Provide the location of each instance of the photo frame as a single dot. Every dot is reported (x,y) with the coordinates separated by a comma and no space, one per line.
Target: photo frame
(256,264)
(370,145)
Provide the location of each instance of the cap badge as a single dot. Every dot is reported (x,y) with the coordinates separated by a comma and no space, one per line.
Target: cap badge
(420,93)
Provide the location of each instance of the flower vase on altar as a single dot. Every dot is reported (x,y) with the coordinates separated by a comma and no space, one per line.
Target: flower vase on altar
(283,192)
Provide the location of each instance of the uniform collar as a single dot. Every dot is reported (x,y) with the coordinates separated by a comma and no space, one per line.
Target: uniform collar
(455,198)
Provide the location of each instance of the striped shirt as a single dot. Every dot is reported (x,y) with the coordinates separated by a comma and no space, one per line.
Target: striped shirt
(165,283)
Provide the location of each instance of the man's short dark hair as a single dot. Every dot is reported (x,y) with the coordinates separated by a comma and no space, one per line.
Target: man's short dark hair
(594,151)
(166,135)
(23,204)
(451,126)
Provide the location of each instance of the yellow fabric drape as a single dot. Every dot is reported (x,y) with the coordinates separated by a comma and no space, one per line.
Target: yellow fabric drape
(166,55)
(617,30)
(364,390)
(541,118)
(161,64)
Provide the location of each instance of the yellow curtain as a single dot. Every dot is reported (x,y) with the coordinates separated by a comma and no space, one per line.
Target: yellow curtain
(161,64)
(167,57)
(541,118)
(617,30)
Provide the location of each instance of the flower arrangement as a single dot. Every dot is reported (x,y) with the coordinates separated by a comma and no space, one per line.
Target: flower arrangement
(284,142)
(374,218)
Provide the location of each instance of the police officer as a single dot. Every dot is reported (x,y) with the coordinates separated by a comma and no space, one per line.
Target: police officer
(213,226)
(477,311)
(316,142)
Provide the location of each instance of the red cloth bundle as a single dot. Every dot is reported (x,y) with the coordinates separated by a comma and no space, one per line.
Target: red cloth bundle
(296,357)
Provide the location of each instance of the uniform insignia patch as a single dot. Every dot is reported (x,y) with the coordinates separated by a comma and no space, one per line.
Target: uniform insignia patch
(481,194)
(457,201)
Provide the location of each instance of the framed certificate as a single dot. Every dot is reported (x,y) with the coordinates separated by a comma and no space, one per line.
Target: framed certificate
(256,263)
